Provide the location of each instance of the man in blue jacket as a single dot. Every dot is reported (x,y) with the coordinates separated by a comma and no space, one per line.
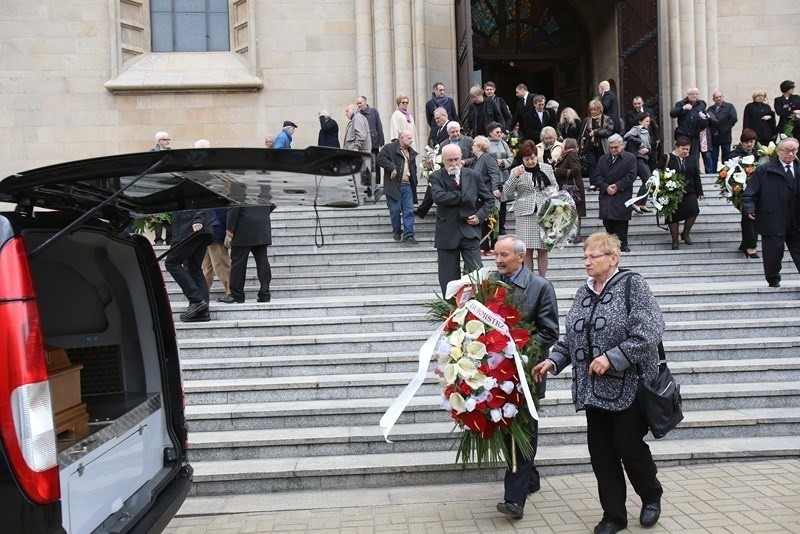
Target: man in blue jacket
(284,137)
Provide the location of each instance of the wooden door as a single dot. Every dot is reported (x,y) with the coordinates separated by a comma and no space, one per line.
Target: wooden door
(638,46)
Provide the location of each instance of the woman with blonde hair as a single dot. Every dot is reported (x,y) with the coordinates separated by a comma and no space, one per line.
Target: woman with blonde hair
(532,182)
(569,125)
(597,128)
(486,164)
(549,150)
(402,120)
(759,117)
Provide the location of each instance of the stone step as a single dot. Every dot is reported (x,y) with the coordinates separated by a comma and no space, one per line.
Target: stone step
(439,436)
(418,468)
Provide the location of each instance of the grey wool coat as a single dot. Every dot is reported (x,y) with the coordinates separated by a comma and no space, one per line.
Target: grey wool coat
(600,324)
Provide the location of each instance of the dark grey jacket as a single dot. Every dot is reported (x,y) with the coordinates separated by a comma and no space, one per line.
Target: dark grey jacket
(390,158)
(773,197)
(623,174)
(250,225)
(601,324)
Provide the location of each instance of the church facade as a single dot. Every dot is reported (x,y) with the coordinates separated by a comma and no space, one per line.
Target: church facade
(97,77)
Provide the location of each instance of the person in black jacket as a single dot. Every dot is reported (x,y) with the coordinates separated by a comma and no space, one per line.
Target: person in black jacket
(722,118)
(328,130)
(490,90)
(760,118)
(249,230)
(185,261)
(787,106)
(480,112)
(772,200)
(397,159)
(610,105)
(747,147)
(692,119)
(688,210)
(531,115)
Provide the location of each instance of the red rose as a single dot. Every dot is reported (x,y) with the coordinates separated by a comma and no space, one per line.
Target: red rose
(521,337)
(450,326)
(448,391)
(484,368)
(464,389)
(494,340)
(477,422)
(498,399)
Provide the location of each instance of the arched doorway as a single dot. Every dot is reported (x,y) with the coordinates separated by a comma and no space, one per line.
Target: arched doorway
(540,43)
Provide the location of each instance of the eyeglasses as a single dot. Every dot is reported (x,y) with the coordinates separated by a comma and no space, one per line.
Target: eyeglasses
(594,257)
(788,150)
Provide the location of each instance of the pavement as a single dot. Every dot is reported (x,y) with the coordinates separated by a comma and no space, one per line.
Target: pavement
(725,497)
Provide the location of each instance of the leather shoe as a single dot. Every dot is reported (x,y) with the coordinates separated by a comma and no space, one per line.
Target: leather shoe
(608,527)
(774,284)
(410,240)
(650,514)
(263,299)
(200,317)
(625,249)
(194,309)
(228,299)
(512,510)
(397,237)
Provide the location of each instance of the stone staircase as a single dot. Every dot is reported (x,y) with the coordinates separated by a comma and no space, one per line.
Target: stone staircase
(287,395)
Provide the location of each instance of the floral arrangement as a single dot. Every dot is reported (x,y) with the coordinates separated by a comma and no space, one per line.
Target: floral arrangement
(733,177)
(432,160)
(791,123)
(485,354)
(514,142)
(493,221)
(766,153)
(152,222)
(558,219)
(665,191)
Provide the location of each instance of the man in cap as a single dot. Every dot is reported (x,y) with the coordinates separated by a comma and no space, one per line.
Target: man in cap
(284,137)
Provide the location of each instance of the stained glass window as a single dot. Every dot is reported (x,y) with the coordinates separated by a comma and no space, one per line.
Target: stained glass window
(519,26)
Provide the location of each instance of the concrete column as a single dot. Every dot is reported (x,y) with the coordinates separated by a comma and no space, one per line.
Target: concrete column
(420,93)
(403,53)
(365,51)
(675,88)
(712,42)
(687,34)
(701,49)
(384,58)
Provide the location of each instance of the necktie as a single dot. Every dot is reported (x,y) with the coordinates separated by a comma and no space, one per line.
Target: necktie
(613,160)
(456,179)
(789,172)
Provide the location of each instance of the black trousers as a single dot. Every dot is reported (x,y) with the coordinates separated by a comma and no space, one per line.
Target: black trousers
(644,173)
(503,217)
(377,167)
(616,439)
(517,483)
(749,234)
(427,203)
(239,257)
(618,228)
(449,260)
(725,148)
(185,264)
(772,252)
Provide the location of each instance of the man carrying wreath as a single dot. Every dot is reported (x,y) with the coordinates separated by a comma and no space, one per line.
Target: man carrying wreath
(535,297)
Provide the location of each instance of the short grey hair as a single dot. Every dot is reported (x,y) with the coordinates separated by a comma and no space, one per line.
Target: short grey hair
(161,135)
(453,125)
(475,90)
(788,140)
(519,244)
(202,143)
(615,138)
(440,111)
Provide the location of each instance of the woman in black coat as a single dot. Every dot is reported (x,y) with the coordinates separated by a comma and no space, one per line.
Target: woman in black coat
(760,118)
(568,172)
(747,147)
(570,124)
(688,209)
(787,106)
(328,131)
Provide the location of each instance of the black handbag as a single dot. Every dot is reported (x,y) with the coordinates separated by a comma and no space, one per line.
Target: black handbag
(573,189)
(660,400)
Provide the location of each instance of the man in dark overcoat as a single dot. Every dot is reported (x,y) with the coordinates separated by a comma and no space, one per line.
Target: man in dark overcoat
(531,114)
(692,119)
(535,297)
(722,117)
(398,162)
(249,230)
(610,105)
(463,202)
(614,177)
(185,261)
(772,199)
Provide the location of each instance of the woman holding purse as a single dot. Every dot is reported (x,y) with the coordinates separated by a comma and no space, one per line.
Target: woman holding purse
(505,160)
(532,182)
(567,171)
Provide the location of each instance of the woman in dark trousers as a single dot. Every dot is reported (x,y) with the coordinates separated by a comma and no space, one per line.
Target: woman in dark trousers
(249,230)
(747,147)
(594,137)
(486,165)
(688,210)
(610,340)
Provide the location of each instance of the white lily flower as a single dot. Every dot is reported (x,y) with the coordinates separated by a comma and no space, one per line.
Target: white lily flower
(457,403)
(463,368)
(476,350)
(740,177)
(478,380)
(459,316)
(509,410)
(470,404)
(475,329)
(456,353)
(748,160)
(507,386)
(456,337)
(496,414)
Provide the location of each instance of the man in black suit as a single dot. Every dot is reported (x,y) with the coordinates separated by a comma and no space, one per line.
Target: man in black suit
(772,199)
(610,104)
(536,299)
(464,144)
(463,201)
(721,118)
(631,121)
(531,115)
(614,177)
(440,100)
(439,131)
(249,230)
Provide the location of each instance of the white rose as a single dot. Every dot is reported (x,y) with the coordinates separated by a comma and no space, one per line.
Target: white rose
(509,410)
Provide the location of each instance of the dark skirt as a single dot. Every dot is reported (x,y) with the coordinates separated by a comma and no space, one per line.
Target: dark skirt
(686,209)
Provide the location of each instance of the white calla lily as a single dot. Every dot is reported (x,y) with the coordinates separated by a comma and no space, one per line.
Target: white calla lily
(459,316)
(740,177)
(456,337)
(463,368)
(749,160)
(457,403)
(475,329)
(476,350)
(478,380)
(456,353)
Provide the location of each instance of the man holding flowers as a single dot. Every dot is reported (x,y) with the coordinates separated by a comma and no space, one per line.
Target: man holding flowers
(535,297)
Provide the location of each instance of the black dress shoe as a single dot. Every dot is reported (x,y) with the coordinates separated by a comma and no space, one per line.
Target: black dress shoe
(264,299)
(397,237)
(228,299)
(410,240)
(512,510)
(608,527)
(774,284)
(625,249)
(650,514)
(194,309)
(200,317)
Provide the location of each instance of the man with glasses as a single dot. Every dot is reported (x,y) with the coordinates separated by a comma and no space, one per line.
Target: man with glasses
(614,177)
(440,100)
(772,200)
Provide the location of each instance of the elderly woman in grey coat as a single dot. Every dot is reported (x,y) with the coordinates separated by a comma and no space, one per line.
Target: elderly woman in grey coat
(505,160)
(612,335)
(486,165)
